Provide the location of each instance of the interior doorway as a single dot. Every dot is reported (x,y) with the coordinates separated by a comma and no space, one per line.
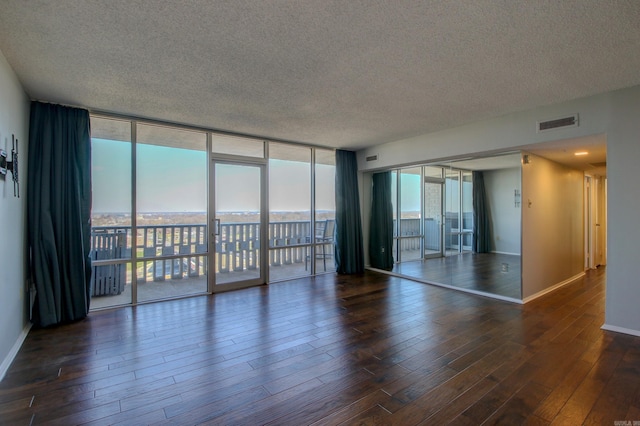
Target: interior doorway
(595,213)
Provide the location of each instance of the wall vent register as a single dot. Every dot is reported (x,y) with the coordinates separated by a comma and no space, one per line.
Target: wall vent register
(558,123)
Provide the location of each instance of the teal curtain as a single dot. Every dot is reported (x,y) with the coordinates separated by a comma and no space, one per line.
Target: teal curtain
(58,212)
(381,226)
(481,223)
(348,242)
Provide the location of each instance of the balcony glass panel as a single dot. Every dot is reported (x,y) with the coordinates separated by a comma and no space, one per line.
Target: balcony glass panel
(111,212)
(432,218)
(289,210)
(325,174)
(410,249)
(410,213)
(171,210)
(111,285)
(170,278)
(467,211)
(238,240)
(452,211)
(410,202)
(394,203)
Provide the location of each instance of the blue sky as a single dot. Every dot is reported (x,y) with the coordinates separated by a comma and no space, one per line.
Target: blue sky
(174,180)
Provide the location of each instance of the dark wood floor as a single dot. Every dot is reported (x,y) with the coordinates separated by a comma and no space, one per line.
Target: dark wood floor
(493,273)
(369,349)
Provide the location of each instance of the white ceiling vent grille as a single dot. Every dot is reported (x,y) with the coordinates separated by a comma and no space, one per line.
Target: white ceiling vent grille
(557,123)
(372,157)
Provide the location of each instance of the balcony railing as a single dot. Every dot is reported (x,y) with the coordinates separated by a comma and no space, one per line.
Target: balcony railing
(411,235)
(178,251)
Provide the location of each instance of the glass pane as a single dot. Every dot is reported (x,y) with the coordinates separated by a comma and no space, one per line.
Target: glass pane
(467,201)
(236,145)
(410,202)
(111,211)
(432,218)
(110,285)
(432,172)
(169,278)
(289,210)
(452,204)
(171,211)
(467,211)
(238,211)
(410,249)
(325,170)
(394,202)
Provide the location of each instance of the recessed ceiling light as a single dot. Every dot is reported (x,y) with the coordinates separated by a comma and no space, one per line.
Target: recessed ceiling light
(581,153)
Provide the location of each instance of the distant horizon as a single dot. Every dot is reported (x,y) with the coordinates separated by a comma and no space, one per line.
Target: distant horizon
(204,212)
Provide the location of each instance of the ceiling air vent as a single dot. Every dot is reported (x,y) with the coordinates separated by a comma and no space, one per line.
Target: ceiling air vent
(558,123)
(596,165)
(372,157)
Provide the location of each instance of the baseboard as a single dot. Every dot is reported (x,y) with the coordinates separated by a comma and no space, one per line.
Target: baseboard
(621,330)
(451,287)
(4,367)
(553,287)
(506,252)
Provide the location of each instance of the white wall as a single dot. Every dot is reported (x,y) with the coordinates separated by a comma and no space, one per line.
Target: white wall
(505,216)
(14,119)
(614,114)
(623,205)
(510,132)
(552,225)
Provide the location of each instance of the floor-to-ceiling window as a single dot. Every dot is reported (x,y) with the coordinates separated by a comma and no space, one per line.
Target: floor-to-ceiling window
(171,204)
(290,227)
(459,211)
(466,219)
(111,218)
(171,212)
(324,188)
(432,211)
(410,214)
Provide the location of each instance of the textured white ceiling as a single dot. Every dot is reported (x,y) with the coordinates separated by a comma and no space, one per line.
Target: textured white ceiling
(336,73)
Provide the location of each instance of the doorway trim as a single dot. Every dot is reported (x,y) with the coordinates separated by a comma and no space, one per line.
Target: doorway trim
(261,164)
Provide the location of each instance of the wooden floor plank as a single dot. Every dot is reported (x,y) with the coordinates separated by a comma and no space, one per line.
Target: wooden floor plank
(326,350)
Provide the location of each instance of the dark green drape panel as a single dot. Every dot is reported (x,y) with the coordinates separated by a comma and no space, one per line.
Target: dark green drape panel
(348,244)
(481,227)
(381,226)
(58,212)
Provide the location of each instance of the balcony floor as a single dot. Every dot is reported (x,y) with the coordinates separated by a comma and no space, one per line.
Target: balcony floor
(187,286)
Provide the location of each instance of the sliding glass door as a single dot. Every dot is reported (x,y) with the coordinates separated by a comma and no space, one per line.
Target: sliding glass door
(452,212)
(433,203)
(238,224)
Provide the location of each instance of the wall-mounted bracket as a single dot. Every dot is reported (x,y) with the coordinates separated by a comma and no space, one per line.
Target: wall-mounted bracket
(11,165)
